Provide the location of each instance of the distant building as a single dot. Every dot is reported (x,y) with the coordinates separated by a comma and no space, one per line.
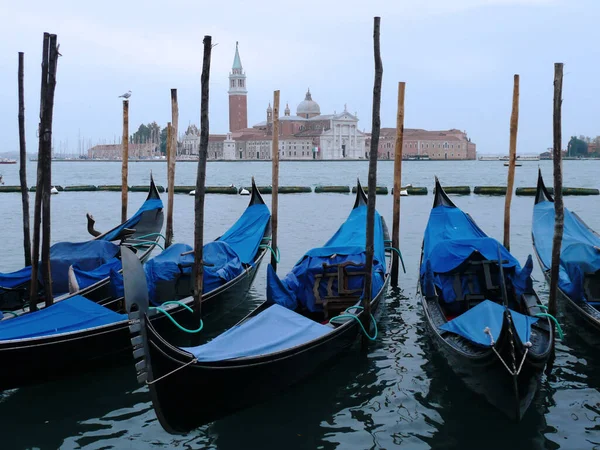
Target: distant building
(417,143)
(115,151)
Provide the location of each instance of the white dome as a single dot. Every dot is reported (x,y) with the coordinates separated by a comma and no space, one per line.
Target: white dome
(308,106)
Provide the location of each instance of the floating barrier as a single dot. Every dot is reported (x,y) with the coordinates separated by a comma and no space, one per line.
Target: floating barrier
(220,190)
(182,189)
(281,190)
(531,191)
(490,190)
(84,188)
(379,190)
(416,191)
(10,188)
(110,187)
(262,189)
(144,188)
(335,189)
(461,190)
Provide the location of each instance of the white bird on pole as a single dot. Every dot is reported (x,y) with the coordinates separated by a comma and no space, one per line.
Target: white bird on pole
(125,95)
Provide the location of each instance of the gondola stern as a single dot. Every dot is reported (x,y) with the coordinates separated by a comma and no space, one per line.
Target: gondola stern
(440,197)
(256,197)
(153,191)
(361,197)
(542,194)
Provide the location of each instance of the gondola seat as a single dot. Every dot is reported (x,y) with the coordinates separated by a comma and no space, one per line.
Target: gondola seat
(333,303)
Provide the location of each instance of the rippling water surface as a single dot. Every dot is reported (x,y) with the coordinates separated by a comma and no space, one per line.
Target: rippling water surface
(398,393)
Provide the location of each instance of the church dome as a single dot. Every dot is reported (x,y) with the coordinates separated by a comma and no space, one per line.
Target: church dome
(308,107)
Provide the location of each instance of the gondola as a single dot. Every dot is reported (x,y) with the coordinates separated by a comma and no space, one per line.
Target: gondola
(78,333)
(579,270)
(140,232)
(305,321)
(485,317)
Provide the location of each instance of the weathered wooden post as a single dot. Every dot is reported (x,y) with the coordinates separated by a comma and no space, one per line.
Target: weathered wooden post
(23,165)
(558,200)
(169,228)
(512,157)
(171,160)
(275,176)
(375,129)
(125,156)
(201,177)
(397,181)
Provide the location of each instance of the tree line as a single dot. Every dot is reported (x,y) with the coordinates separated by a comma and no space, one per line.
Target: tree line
(584,146)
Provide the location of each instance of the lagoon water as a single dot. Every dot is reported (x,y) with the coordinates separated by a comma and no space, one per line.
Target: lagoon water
(398,393)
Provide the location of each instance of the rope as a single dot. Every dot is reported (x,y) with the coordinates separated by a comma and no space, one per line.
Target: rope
(175,302)
(347,315)
(171,372)
(399,254)
(276,255)
(150,235)
(551,317)
(147,243)
(514,371)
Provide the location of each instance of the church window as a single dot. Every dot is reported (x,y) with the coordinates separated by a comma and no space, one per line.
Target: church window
(232,83)
(294,153)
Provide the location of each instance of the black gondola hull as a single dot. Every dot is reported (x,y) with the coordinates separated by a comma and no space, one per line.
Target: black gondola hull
(203,392)
(42,359)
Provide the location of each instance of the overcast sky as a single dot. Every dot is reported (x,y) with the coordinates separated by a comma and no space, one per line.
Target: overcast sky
(457,57)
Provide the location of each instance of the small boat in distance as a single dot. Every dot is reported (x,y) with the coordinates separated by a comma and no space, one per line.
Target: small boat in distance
(7,161)
(517,164)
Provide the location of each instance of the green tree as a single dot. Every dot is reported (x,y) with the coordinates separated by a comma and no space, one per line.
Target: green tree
(163,141)
(577,147)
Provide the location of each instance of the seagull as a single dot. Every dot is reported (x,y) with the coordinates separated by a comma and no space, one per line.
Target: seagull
(125,95)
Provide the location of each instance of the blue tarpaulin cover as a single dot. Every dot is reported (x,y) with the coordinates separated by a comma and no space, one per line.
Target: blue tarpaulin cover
(13,279)
(86,278)
(85,255)
(148,205)
(487,314)
(274,329)
(580,251)
(245,235)
(451,237)
(72,314)
(347,244)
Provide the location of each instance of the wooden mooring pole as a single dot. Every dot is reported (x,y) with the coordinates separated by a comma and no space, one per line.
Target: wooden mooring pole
(397,182)
(201,177)
(125,156)
(42,195)
(170,186)
(23,165)
(558,200)
(512,157)
(275,181)
(171,160)
(375,129)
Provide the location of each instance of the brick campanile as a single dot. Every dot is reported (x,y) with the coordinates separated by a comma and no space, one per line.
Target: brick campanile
(238,104)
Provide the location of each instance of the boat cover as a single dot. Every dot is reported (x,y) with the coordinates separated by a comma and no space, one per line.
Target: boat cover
(14,279)
(245,235)
(149,205)
(347,244)
(86,278)
(487,314)
(273,330)
(73,314)
(580,251)
(85,255)
(451,237)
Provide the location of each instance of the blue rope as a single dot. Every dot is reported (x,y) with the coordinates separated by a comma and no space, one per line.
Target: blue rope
(175,302)
(151,235)
(558,327)
(276,255)
(148,243)
(348,315)
(399,254)
(544,307)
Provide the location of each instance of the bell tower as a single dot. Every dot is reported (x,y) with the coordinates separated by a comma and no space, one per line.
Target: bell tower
(238,104)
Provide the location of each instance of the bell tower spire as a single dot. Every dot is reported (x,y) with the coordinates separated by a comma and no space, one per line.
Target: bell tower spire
(238,103)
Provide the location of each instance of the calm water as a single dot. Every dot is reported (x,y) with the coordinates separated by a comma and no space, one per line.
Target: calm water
(399,393)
